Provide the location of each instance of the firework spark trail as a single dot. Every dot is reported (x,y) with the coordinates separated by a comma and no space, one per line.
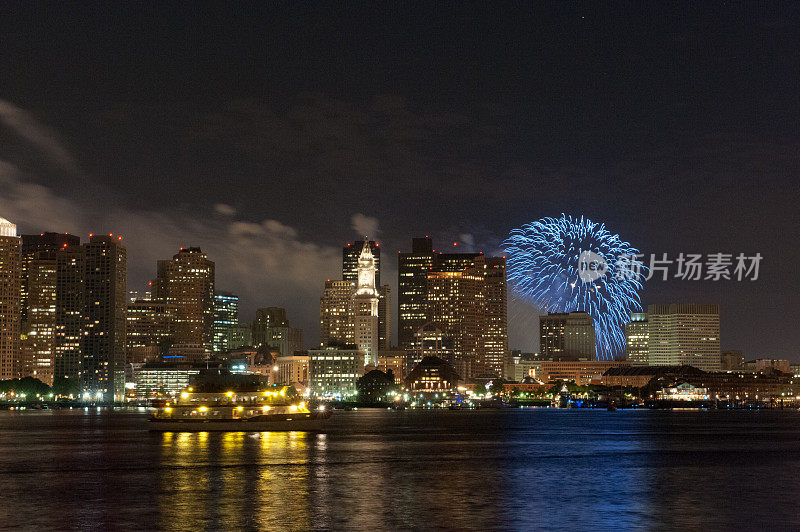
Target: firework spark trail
(543,268)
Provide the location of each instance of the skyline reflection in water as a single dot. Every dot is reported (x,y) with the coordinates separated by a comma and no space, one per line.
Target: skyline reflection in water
(516,469)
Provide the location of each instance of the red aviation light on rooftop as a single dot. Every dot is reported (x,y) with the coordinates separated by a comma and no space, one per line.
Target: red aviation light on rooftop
(91,235)
(455,243)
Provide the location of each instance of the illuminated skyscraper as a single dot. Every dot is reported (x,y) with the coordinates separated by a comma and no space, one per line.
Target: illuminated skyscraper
(566,336)
(494,335)
(684,334)
(336,313)
(468,308)
(53,306)
(365,307)
(455,304)
(350,256)
(412,296)
(384,317)
(637,338)
(150,330)
(10,298)
(226,316)
(187,283)
(105,285)
(412,282)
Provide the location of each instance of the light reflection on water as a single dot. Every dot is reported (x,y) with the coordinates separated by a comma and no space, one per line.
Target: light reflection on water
(517,469)
(236,479)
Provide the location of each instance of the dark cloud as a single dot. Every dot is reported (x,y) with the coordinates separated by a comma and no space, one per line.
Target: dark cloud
(272,127)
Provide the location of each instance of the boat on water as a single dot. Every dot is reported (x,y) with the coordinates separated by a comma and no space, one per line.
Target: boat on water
(271,409)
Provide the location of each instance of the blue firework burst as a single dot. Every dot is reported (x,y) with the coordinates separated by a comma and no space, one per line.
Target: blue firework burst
(544,267)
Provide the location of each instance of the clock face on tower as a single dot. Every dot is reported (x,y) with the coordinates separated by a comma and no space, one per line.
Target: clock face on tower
(366,278)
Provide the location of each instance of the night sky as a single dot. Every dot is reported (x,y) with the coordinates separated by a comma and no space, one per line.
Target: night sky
(271,134)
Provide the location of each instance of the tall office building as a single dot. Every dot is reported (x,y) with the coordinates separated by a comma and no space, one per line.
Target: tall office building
(187,283)
(10,298)
(336,313)
(412,290)
(350,256)
(105,280)
(495,326)
(566,336)
(637,339)
(53,306)
(272,331)
(467,310)
(684,334)
(412,298)
(150,330)
(226,316)
(384,317)
(37,347)
(365,307)
(455,302)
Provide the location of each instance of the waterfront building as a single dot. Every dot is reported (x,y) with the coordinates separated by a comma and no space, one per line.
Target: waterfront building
(763,387)
(10,299)
(292,370)
(105,285)
(684,391)
(684,334)
(187,283)
(766,364)
(150,330)
(639,376)
(52,313)
(578,371)
(637,338)
(333,371)
(566,336)
(156,379)
(432,374)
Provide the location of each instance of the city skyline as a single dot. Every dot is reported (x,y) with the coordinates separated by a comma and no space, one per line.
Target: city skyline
(181,156)
(399,265)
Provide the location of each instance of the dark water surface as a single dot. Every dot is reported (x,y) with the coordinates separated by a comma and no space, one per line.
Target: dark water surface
(512,469)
